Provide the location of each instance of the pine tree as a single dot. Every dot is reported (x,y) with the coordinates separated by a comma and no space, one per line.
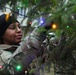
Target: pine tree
(63,13)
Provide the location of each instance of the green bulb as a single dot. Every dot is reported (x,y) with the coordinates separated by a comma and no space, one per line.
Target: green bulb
(67,26)
(18,67)
(18,8)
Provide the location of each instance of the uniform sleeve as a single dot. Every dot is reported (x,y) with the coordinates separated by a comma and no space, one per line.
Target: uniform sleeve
(33,47)
(28,51)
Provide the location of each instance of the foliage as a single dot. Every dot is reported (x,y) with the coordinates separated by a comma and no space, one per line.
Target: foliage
(62,12)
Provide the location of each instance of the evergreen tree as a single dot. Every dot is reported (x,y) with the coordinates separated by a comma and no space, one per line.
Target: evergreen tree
(62,13)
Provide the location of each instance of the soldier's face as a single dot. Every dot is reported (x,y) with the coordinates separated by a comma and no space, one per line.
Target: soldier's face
(13,34)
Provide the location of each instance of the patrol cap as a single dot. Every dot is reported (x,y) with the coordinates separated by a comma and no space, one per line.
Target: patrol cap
(5,21)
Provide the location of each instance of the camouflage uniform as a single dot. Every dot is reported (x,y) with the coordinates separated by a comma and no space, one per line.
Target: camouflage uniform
(23,55)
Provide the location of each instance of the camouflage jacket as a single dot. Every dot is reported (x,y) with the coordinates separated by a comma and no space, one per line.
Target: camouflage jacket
(23,55)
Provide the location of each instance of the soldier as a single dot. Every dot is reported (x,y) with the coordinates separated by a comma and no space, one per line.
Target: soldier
(16,58)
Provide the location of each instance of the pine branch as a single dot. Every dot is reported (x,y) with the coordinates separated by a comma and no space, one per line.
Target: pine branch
(70,47)
(55,54)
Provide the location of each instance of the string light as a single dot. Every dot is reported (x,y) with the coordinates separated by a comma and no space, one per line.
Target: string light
(41,21)
(67,26)
(18,67)
(1,67)
(54,26)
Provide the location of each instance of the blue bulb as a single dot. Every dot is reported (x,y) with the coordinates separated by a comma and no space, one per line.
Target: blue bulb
(41,22)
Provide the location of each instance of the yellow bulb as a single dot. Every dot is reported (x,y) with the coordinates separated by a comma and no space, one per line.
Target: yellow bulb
(7,17)
(54,26)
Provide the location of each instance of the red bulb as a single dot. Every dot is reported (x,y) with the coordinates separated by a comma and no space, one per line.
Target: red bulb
(0,66)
